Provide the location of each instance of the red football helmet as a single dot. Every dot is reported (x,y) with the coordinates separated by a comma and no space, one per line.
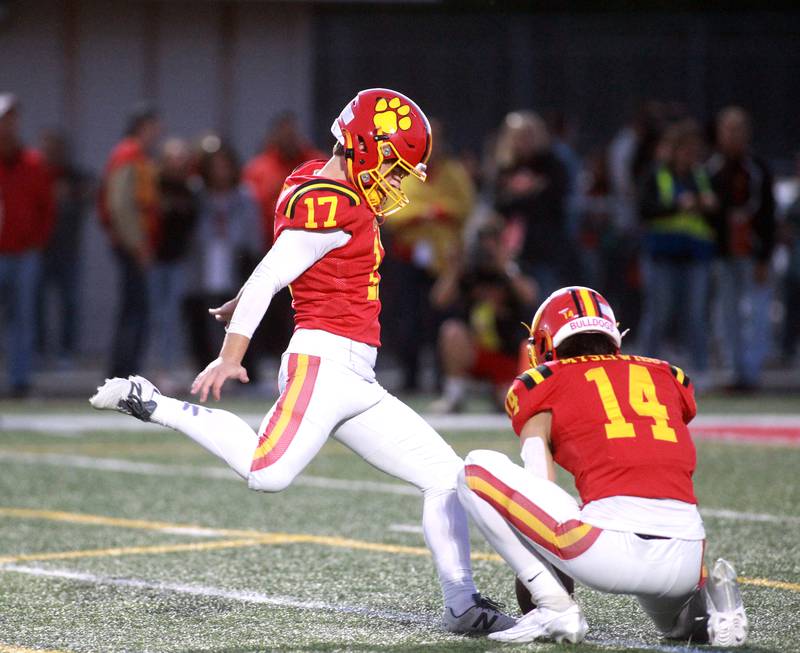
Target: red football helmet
(568,311)
(380,127)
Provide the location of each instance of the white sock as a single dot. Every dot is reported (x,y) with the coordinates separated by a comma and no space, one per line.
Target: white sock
(455,387)
(222,433)
(545,587)
(444,524)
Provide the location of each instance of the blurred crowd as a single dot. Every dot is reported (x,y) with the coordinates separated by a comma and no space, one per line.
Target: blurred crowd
(674,221)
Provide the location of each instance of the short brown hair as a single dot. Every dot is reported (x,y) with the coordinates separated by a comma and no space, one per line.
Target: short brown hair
(585,344)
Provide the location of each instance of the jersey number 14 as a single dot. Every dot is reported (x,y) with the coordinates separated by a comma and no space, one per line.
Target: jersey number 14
(642,399)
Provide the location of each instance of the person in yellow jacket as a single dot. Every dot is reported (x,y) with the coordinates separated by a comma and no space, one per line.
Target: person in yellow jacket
(677,206)
(421,238)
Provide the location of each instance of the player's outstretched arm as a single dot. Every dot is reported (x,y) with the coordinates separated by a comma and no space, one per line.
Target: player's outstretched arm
(228,365)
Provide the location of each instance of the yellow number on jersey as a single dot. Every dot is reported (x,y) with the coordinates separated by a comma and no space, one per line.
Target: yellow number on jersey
(331,200)
(617,426)
(512,403)
(642,398)
(374,277)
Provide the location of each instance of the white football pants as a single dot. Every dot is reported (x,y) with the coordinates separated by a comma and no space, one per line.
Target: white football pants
(328,387)
(532,523)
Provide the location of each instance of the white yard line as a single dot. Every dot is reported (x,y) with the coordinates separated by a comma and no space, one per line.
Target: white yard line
(416,621)
(218,592)
(70,423)
(406,528)
(163,469)
(749,516)
(192,532)
(67,424)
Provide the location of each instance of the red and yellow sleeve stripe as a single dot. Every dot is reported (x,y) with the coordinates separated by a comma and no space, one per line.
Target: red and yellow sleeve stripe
(331,186)
(565,540)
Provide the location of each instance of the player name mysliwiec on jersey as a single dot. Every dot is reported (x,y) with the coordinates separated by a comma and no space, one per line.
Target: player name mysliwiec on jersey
(339,293)
(619,423)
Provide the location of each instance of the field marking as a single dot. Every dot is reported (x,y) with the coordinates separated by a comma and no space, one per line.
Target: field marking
(190,471)
(250,538)
(127,550)
(416,620)
(9,648)
(218,592)
(773,429)
(406,528)
(260,537)
(772,584)
(162,469)
(139,524)
(749,516)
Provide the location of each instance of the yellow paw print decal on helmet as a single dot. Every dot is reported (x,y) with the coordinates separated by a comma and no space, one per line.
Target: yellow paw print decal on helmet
(391,115)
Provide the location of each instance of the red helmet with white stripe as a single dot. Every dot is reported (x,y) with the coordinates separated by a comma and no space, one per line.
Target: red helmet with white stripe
(567,312)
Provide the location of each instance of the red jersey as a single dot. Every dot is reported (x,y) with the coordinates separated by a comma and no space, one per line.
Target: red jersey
(619,423)
(265,173)
(27,203)
(339,293)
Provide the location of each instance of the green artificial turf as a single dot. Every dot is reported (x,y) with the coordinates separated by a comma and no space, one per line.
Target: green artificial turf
(322,595)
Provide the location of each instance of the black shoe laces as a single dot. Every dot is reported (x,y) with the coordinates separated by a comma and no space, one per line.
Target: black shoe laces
(489,604)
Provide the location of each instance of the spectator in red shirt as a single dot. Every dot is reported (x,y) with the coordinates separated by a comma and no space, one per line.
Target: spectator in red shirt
(128,208)
(27,212)
(285,148)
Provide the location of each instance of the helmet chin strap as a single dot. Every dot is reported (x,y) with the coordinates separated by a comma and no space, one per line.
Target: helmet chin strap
(349,155)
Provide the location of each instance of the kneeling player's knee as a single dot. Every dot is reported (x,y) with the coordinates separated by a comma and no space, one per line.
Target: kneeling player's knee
(485,458)
(443,478)
(462,486)
(271,479)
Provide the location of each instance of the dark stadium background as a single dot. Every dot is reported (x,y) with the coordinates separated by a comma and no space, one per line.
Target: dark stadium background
(232,66)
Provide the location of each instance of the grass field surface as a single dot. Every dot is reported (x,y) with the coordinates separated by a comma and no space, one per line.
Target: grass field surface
(140,541)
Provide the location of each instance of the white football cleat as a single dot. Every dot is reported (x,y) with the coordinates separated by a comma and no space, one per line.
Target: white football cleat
(134,396)
(543,623)
(482,617)
(727,621)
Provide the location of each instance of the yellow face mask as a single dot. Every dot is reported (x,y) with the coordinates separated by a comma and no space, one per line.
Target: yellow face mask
(375,185)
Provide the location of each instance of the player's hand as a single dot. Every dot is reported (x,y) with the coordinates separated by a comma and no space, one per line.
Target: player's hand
(214,376)
(224,313)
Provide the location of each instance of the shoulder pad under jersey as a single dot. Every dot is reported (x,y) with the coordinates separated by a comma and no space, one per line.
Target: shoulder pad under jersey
(536,375)
(680,376)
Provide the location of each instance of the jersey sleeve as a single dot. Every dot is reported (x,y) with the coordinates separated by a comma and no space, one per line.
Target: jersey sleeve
(530,393)
(317,206)
(686,392)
